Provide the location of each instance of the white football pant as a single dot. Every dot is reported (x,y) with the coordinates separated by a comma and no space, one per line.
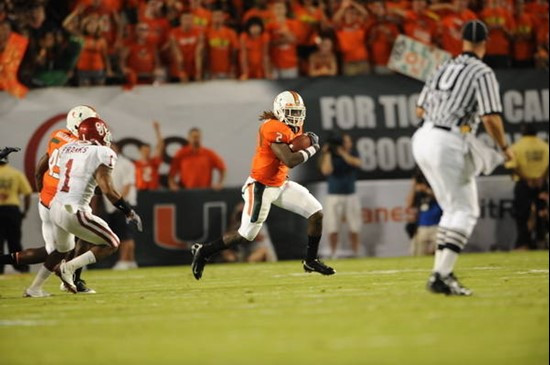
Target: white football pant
(444,158)
(258,199)
(71,221)
(48,228)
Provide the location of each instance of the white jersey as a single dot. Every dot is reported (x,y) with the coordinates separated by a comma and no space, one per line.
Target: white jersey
(78,163)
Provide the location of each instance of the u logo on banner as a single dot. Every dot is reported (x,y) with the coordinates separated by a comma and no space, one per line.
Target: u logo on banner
(164,217)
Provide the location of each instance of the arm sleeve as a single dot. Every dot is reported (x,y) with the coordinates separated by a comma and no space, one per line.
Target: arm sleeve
(107,157)
(488,94)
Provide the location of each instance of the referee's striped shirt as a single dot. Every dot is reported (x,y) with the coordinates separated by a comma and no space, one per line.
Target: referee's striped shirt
(460,91)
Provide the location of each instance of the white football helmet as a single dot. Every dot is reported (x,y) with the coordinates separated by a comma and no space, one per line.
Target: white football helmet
(77,115)
(289,108)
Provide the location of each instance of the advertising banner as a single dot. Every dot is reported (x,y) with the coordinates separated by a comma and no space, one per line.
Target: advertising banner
(415,59)
(384,215)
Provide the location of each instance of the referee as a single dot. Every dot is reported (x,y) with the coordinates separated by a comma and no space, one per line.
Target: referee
(456,97)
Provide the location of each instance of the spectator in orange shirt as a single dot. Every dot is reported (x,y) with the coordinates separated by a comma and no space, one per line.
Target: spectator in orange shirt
(194,164)
(451,27)
(349,21)
(323,61)
(419,22)
(222,45)
(147,167)
(501,26)
(152,14)
(311,20)
(524,38)
(139,59)
(381,35)
(108,17)
(254,51)
(93,63)
(538,9)
(202,17)
(186,45)
(283,35)
(541,57)
(258,10)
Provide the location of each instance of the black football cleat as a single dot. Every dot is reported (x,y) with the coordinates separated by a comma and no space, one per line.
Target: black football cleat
(199,261)
(456,287)
(437,285)
(318,266)
(448,285)
(82,288)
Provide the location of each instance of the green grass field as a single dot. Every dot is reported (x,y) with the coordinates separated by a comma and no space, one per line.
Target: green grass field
(373,311)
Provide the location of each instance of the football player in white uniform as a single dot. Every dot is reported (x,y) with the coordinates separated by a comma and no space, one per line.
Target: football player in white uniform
(84,164)
(47,178)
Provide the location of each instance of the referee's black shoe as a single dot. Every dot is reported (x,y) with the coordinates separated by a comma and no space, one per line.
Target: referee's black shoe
(199,261)
(456,287)
(437,285)
(317,266)
(448,285)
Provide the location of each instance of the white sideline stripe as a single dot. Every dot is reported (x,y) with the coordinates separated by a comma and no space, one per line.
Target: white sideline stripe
(26,323)
(386,272)
(534,271)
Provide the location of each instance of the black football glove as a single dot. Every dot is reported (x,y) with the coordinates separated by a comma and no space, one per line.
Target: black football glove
(133,217)
(314,138)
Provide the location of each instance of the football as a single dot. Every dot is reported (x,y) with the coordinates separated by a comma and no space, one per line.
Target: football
(300,143)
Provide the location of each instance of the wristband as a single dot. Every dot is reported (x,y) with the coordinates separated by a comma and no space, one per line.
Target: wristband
(123,206)
(304,155)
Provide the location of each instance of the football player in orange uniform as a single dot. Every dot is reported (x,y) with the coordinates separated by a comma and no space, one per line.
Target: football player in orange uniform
(268,184)
(47,177)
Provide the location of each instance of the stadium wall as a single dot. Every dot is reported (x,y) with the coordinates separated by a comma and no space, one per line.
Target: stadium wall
(173,221)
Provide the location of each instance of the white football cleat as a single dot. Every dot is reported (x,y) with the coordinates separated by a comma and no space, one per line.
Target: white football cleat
(66,275)
(35,293)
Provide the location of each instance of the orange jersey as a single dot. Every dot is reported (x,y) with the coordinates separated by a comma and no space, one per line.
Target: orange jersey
(141,57)
(187,42)
(351,41)
(221,44)
(381,36)
(499,43)
(451,31)
(421,26)
(50,179)
(91,56)
(266,167)
(524,45)
(195,166)
(308,19)
(147,174)
(283,56)
(254,48)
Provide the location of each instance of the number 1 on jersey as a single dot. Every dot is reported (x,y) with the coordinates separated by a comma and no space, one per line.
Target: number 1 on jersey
(65,188)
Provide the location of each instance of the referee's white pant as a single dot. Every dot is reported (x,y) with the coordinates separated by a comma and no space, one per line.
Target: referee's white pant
(444,158)
(71,221)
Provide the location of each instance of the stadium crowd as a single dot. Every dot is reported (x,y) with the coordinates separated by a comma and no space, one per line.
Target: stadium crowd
(95,42)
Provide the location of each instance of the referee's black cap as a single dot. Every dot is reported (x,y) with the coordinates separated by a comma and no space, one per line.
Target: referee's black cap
(475,31)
